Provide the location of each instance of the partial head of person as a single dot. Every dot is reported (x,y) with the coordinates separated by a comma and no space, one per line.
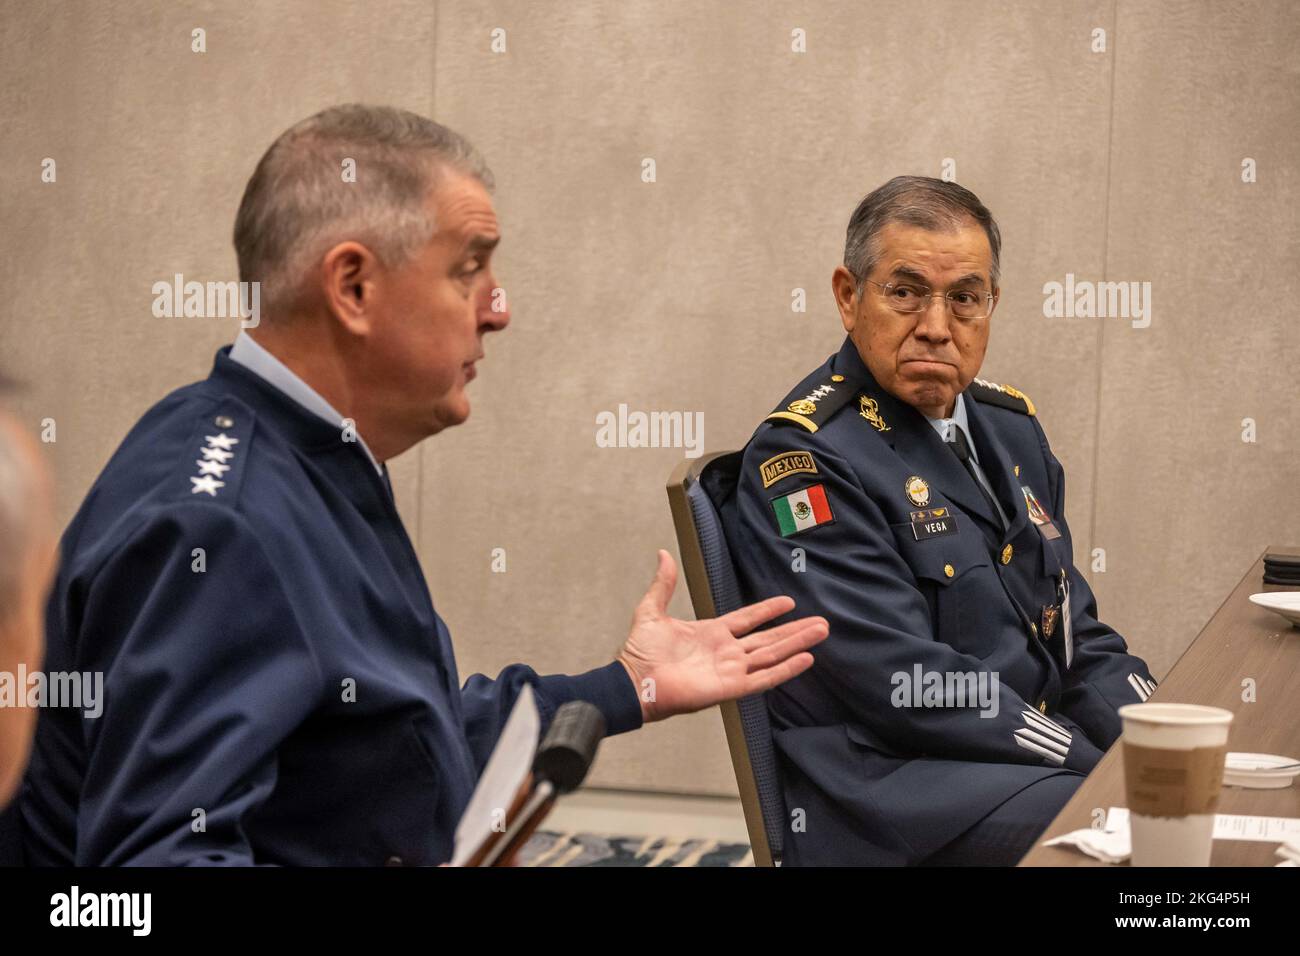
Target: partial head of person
(371,231)
(918,288)
(28,555)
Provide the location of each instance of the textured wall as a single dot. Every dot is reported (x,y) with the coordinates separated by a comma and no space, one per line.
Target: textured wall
(1122,165)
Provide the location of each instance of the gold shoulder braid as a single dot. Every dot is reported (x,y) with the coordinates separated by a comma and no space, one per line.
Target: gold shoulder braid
(991,393)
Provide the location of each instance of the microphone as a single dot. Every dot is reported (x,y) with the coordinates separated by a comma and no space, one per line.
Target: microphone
(561,764)
(569,747)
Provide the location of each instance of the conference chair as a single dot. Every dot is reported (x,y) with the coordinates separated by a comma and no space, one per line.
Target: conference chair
(695,490)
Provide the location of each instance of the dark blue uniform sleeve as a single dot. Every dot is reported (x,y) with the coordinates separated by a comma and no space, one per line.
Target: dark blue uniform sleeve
(488,702)
(1103,675)
(880,622)
(206,672)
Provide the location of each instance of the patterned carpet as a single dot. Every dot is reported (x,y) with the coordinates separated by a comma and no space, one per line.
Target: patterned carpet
(587,849)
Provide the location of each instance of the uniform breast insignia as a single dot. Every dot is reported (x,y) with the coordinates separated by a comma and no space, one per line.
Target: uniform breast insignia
(1038,514)
(1051,614)
(815,408)
(918,491)
(933,523)
(802,510)
(1141,686)
(1044,736)
(869,409)
(1004,396)
(786,464)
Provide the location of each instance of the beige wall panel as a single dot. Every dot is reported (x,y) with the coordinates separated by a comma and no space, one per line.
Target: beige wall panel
(1185,504)
(154,144)
(675,295)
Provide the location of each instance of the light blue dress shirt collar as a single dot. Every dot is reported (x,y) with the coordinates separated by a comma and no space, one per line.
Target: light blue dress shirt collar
(248,353)
(942,425)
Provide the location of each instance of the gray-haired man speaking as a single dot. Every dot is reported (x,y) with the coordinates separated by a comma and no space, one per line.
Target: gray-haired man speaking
(296,701)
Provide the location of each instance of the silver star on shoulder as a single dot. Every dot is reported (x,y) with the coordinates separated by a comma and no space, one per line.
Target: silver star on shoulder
(206,483)
(223,441)
(216,454)
(212,468)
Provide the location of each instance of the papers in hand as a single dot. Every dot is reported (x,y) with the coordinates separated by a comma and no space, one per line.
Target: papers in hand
(502,779)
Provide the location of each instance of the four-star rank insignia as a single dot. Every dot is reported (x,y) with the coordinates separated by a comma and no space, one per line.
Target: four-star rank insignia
(816,407)
(918,491)
(214,464)
(213,469)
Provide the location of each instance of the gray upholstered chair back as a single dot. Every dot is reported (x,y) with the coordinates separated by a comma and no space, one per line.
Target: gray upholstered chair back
(696,492)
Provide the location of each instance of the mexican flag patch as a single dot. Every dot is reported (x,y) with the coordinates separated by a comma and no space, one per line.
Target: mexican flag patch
(802,510)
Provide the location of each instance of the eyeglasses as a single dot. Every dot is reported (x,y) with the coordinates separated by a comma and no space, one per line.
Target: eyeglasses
(964,303)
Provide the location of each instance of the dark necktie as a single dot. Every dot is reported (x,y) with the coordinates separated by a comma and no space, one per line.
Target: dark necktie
(960,446)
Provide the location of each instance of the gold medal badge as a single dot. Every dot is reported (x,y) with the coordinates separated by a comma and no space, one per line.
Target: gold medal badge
(918,491)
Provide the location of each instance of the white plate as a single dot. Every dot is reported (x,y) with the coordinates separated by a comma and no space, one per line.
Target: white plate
(1261,763)
(1259,771)
(1286,603)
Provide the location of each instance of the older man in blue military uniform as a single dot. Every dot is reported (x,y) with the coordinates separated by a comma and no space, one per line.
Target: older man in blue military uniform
(278,686)
(967,686)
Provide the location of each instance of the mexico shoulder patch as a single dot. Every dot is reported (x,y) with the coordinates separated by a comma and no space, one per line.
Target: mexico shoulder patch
(801,510)
(786,464)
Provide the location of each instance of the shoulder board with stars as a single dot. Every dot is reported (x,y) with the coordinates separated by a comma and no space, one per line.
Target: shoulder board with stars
(1004,396)
(213,457)
(814,408)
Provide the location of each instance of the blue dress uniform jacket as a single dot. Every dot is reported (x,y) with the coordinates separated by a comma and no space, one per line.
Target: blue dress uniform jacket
(278,687)
(848,500)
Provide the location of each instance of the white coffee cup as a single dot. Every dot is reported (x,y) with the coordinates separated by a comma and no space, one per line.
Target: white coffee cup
(1173,773)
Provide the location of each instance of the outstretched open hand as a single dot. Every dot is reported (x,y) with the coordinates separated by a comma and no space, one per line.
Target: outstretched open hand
(683,666)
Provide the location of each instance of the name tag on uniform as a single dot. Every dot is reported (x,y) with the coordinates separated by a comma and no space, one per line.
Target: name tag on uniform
(934,523)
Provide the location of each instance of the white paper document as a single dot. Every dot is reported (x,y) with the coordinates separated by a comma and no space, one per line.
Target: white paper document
(506,770)
(1229,826)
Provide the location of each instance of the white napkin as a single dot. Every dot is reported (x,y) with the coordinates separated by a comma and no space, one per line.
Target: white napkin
(1107,846)
(1289,851)
(1114,846)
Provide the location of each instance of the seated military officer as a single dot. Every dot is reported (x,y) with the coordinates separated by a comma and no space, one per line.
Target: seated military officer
(967,685)
(278,687)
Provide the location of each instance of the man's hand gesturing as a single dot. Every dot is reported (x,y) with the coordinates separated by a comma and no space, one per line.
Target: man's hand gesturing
(683,666)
